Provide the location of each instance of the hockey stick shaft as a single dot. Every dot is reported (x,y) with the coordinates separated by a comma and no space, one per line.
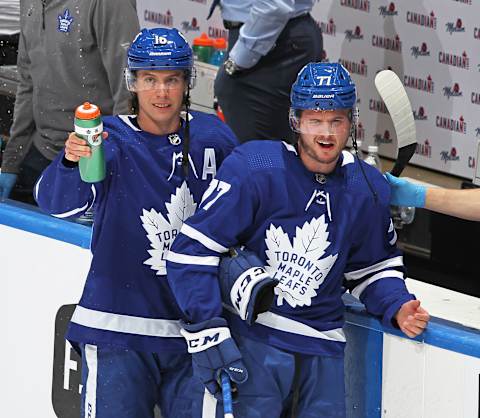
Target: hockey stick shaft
(227,396)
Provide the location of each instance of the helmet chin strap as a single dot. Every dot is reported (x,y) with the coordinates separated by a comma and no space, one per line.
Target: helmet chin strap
(353,135)
(186,140)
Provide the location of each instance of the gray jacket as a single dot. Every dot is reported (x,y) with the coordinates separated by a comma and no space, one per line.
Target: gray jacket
(70,51)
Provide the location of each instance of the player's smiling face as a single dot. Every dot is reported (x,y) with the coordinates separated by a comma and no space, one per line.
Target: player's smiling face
(323,135)
(160,98)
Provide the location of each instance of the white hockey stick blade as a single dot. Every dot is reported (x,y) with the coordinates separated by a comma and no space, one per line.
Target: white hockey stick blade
(395,98)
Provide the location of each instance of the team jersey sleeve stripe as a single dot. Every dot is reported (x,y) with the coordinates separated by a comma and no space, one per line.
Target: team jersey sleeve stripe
(357,291)
(76,210)
(382,265)
(37,186)
(193,259)
(394,238)
(202,239)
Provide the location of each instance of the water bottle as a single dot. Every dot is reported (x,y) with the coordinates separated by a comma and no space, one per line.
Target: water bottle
(372,157)
(359,148)
(220,52)
(89,126)
(202,48)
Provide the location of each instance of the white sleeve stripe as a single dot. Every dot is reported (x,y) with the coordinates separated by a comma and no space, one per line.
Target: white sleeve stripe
(357,291)
(202,239)
(72,212)
(94,191)
(36,187)
(391,262)
(394,239)
(193,259)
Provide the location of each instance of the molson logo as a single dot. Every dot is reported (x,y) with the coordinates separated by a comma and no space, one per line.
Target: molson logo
(420,51)
(328,28)
(420,114)
(449,156)
(363,5)
(190,26)
(452,91)
(388,11)
(454,125)
(214,32)
(391,44)
(360,68)
(419,83)
(377,106)
(427,21)
(455,27)
(459,61)
(383,139)
(353,34)
(424,150)
(475,97)
(159,18)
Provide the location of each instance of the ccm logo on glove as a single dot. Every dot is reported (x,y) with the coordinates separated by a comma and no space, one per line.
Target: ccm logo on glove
(203,340)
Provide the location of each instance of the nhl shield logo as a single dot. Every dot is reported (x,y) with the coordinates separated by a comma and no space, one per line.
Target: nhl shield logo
(174,139)
(64,21)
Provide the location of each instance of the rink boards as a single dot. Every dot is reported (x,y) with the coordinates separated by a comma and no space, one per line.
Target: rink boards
(43,265)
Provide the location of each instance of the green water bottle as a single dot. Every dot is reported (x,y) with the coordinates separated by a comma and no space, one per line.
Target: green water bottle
(202,48)
(89,126)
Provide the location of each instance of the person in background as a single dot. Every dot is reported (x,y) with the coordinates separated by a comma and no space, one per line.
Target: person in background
(269,41)
(9,35)
(9,31)
(159,163)
(463,204)
(69,52)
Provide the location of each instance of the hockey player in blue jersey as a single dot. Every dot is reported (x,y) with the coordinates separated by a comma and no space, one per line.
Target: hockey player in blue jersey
(318,219)
(159,163)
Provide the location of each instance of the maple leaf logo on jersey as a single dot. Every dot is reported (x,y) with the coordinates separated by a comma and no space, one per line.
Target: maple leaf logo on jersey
(161,232)
(299,268)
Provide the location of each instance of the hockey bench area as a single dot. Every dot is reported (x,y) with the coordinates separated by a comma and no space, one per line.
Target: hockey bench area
(44,261)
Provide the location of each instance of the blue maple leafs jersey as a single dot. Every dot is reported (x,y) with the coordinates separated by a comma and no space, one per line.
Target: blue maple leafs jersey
(319,235)
(139,209)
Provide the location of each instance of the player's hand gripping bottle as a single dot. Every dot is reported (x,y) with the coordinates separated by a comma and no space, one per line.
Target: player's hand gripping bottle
(89,126)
